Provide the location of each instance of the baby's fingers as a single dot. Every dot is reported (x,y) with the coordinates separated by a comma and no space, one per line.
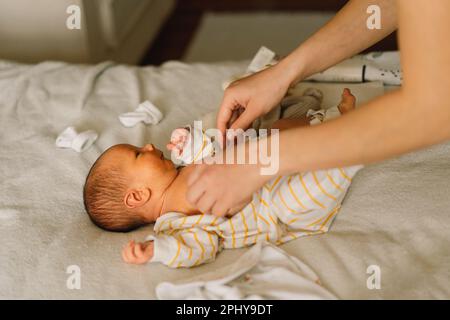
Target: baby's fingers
(131,252)
(127,253)
(138,252)
(124,256)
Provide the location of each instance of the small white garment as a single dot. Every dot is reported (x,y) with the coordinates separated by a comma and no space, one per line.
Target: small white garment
(319,116)
(79,142)
(263,272)
(146,112)
(263,58)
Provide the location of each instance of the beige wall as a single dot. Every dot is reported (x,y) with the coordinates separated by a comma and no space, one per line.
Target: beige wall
(120,30)
(34,30)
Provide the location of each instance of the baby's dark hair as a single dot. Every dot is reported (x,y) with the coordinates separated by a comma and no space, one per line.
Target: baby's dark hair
(103,193)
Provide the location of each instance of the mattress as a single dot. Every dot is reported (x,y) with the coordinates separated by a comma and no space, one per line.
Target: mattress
(395,217)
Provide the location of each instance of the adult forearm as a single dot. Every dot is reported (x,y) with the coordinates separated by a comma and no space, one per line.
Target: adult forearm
(386,127)
(342,37)
(413,117)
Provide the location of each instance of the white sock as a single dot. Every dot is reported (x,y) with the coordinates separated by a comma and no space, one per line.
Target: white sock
(79,142)
(146,112)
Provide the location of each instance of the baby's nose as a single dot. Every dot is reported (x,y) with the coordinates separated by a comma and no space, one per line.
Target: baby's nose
(149,147)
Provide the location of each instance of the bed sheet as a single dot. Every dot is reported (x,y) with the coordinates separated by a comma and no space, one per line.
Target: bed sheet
(395,216)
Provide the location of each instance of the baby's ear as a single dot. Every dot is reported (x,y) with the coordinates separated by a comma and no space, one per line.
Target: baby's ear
(135,198)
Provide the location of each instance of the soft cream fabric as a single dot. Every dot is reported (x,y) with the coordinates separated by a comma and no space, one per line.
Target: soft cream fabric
(396,214)
(263,272)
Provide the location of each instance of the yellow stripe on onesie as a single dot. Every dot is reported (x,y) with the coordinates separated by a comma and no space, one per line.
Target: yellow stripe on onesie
(286,208)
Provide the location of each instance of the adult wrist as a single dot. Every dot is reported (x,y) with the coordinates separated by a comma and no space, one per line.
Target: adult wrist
(292,70)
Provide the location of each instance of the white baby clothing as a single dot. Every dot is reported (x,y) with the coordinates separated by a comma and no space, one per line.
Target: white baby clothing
(79,142)
(319,116)
(146,112)
(263,272)
(263,59)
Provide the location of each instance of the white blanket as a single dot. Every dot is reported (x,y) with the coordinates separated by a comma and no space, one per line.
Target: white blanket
(396,214)
(263,272)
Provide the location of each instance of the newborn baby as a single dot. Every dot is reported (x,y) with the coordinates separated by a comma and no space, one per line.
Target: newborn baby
(128,187)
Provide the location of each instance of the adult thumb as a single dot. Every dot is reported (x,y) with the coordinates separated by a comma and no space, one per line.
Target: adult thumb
(244,121)
(225,113)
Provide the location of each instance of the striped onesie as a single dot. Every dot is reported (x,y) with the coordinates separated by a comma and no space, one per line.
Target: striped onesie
(286,208)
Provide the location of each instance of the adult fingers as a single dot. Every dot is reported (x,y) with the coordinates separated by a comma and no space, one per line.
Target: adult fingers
(225,112)
(244,120)
(205,204)
(195,193)
(233,210)
(195,174)
(219,209)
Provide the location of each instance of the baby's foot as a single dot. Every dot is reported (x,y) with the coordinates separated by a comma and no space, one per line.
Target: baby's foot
(348,101)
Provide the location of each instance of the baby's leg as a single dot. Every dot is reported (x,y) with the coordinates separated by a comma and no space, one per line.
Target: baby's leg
(284,124)
(346,105)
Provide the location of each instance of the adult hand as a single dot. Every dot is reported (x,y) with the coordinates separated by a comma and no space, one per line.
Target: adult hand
(248,98)
(224,189)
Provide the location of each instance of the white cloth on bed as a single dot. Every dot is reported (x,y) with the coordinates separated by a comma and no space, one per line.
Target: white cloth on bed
(146,112)
(263,272)
(319,116)
(79,142)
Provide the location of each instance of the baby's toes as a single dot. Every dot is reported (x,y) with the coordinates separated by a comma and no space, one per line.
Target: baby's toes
(348,101)
(348,96)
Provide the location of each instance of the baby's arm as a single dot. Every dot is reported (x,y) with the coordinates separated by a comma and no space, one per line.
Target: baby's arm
(179,248)
(284,124)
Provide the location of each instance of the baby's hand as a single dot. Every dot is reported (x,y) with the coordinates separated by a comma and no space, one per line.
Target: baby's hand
(137,253)
(178,140)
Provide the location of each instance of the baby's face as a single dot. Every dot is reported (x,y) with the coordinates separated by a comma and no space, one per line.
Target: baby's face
(146,164)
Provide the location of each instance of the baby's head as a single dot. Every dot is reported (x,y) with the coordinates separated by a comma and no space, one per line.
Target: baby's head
(125,187)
